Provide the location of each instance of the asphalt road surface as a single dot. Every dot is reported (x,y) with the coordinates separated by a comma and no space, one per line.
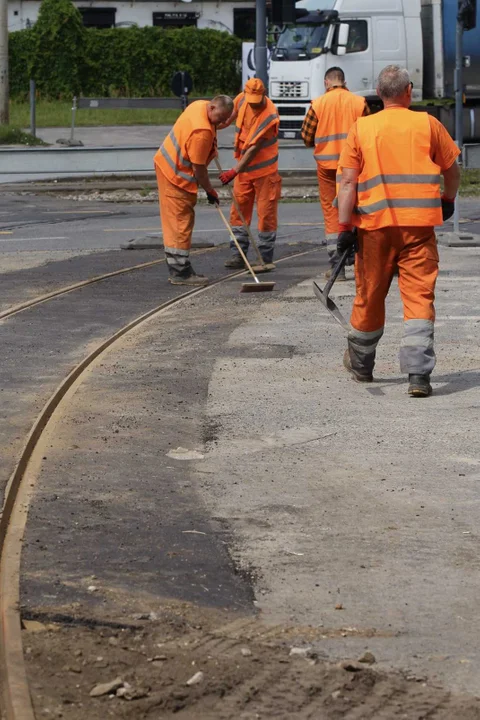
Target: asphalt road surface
(220,459)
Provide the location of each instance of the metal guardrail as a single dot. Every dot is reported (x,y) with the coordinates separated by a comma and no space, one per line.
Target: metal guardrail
(71,161)
(471,156)
(102,103)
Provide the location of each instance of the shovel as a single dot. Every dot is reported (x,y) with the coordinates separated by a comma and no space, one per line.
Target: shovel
(262,265)
(256,286)
(323,295)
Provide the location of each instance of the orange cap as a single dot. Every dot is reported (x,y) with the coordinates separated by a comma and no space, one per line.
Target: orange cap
(254,90)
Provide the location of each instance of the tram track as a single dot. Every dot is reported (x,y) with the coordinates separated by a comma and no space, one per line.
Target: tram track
(16,703)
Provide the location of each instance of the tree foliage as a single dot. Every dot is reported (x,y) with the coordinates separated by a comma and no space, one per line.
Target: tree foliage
(57,60)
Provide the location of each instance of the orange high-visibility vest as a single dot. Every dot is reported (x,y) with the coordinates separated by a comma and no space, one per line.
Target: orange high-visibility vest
(265,161)
(336,111)
(172,157)
(399,184)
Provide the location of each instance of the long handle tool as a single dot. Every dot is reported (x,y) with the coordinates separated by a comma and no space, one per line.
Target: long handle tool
(323,295)
(262,265)
(256,286)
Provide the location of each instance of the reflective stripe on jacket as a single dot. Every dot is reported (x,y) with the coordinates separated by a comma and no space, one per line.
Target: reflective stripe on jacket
(336,111)
(265,161)
(399,184)
(172,157)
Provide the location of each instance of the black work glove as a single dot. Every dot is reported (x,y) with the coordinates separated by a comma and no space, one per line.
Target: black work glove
(346,239)
(213,198)
(448,207)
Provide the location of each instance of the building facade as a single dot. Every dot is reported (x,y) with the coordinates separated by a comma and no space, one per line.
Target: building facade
(232,17)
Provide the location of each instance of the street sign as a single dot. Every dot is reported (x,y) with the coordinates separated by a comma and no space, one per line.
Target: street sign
(182,83)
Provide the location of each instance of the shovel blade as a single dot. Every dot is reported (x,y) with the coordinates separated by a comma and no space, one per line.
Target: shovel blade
(330,305)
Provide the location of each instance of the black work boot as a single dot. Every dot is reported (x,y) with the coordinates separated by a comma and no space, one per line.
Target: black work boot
(419,386)
(192,280)
(236,262)
(356,374)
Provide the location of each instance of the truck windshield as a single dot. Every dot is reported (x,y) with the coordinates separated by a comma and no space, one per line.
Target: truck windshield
(300,42)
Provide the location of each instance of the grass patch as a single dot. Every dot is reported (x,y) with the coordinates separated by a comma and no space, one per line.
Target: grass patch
(14,136)
(470,183)
(58,113)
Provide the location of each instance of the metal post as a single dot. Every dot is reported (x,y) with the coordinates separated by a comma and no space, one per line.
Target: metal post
(33,109)
(4,94)
(74,109)
(261,44)
(458,86)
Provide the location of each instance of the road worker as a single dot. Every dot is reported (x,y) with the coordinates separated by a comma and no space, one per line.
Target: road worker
(256,173)
(181,166)
(389,174)
(325,128)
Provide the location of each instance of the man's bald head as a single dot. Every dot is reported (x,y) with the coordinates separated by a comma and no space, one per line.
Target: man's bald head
(219,109)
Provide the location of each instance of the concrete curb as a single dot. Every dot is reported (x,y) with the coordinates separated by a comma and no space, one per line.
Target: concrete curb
(460,240)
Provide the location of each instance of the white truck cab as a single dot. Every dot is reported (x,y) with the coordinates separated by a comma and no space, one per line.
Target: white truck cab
(360,37)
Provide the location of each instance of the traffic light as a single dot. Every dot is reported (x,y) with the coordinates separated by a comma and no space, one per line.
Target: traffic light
(283,12)
(467,13)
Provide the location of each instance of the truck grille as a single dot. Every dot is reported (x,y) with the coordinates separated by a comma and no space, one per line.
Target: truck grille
(289,89)
(290,124)
(293,110)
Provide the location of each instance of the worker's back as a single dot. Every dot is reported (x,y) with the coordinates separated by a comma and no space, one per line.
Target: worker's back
(336,111)
(399,183)
(173,156)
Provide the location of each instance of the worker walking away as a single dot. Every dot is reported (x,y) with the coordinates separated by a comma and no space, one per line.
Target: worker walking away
(181,167)
(256,173)
(389,175)
(325,129)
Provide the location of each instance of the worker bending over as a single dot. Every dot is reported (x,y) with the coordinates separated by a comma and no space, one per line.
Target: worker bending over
(389,189)
(181,166)
(256,173)
(325,128)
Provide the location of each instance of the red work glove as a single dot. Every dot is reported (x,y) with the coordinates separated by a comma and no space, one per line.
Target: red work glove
(227,176)
(213,198)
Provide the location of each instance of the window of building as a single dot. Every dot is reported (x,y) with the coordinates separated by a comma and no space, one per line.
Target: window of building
(98,17)
(244,23)
(175,19)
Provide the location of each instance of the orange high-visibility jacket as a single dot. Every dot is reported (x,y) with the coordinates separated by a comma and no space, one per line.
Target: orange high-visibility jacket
(172,157)
(265,161)
(399,184)
(336,111)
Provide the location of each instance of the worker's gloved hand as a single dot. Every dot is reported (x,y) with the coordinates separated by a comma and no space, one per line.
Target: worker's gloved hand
(227,176)
(448,207)
(213,198)
(347,238)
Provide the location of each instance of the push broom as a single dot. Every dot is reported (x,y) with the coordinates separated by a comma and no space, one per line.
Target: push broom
(262,265)
(256,286)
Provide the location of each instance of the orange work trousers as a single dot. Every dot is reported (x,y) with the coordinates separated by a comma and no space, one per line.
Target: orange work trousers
(414,251)
(266,190)
(177,213)
(327,190)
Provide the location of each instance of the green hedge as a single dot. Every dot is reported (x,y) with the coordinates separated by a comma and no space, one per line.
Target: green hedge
(129,62)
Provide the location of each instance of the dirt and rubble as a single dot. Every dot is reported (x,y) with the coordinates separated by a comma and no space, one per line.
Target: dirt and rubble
(181,660)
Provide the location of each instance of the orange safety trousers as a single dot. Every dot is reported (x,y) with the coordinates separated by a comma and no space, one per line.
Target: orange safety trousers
(266,190)
(327,191)
(177,213)
(414,251)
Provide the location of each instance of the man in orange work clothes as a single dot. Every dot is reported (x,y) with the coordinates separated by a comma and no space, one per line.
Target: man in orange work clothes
(256,173)
(390,190)
(181,166)
(325,128)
